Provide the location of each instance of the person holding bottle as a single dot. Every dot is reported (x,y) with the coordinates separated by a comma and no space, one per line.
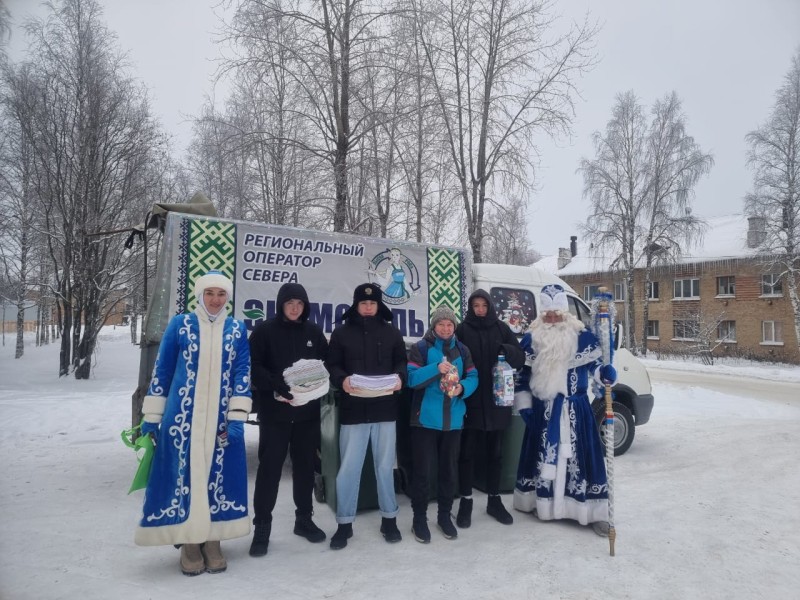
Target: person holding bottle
(487,337)
(441,373)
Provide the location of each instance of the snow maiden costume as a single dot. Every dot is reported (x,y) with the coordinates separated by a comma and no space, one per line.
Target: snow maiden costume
(200,395)
(561,473)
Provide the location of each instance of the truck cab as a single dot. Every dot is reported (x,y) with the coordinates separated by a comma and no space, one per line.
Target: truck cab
(515,294)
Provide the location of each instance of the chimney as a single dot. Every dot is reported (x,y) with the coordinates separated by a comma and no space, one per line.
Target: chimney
(563,257)
(573,245)
(756,231)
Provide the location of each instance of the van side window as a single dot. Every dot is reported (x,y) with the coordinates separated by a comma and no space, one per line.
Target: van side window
(580,310)
(515,307)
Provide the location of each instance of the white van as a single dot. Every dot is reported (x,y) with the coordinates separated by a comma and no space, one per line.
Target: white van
(515,295)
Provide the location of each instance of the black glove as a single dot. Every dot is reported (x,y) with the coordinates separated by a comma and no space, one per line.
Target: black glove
(283,390)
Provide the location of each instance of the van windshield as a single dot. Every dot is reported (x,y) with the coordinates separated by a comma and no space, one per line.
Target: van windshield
(515,307)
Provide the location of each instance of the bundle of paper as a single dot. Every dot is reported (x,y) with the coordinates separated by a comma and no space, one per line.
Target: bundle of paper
(307,380)
(372,386)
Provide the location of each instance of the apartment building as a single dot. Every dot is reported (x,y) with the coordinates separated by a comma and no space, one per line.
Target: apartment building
(722,298)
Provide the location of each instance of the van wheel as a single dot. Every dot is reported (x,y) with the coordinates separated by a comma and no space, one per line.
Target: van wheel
(624,426)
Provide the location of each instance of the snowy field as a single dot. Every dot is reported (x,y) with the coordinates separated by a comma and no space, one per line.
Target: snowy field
(706,507)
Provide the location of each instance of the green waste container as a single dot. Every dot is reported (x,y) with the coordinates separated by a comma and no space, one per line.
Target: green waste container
(512,443)
(329,450)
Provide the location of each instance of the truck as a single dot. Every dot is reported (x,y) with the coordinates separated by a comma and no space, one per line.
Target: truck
(415,279)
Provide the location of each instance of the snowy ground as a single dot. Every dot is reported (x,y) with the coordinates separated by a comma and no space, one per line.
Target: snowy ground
(706,507)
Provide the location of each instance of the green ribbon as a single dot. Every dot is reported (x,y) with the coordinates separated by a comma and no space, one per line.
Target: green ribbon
(144,448)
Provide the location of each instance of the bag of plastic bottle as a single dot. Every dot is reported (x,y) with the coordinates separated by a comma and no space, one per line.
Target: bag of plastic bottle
(503,382)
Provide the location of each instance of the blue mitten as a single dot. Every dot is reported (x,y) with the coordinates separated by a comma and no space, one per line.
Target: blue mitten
(608,374)
(151,429)
(527,415)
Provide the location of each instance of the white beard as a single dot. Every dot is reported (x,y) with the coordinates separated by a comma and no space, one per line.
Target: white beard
(554,347)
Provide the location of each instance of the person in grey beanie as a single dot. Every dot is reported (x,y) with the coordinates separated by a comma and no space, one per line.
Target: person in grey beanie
(441,373)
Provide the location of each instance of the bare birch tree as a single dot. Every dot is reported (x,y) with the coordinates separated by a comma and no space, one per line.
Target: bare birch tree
(327,51)
(640,186)
(500,80)
(91,133)
(774,157)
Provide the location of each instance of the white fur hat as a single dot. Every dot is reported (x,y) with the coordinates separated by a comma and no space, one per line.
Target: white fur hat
(553,297)
(213,279)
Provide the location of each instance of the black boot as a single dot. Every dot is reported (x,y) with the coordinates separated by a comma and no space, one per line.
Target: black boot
(496,509)
(305,527)
(445,523)
(464,516)
(260,543)
(420,529)
(390,531)
(343,533)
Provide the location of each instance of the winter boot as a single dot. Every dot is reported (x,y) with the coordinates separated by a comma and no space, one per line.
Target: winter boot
(464,517)
(192,560)
(420,529)
(305,527)
(343,533)
(390,531)
(445,523)
(496,509)
(212,557)
(260,543)
(601,528)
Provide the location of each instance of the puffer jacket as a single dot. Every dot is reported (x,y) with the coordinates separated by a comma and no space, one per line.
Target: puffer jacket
(366,346)
(487,337)
(277,344)
(431,407)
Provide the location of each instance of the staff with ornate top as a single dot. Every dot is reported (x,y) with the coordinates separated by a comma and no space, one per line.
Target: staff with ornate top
(603,314)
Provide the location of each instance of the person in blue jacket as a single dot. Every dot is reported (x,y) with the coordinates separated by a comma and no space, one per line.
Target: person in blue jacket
(437,417)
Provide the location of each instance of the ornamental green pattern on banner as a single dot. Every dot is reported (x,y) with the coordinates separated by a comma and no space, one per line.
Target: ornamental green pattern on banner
(445,280)
(212,245)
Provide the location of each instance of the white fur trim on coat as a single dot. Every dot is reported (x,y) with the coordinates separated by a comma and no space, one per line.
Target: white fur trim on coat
(522,399)
(153,408)
(240,403)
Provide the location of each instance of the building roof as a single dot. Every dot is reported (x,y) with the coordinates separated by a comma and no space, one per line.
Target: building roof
(725,239)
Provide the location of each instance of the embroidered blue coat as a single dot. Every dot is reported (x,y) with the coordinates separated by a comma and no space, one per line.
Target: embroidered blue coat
(197,489)
(561,472)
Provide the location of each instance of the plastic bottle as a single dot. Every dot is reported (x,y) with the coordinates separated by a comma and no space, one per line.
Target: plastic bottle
(503,382)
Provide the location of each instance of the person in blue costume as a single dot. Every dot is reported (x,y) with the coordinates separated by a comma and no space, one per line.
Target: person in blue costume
(561,473)
(437,417)
(198,399)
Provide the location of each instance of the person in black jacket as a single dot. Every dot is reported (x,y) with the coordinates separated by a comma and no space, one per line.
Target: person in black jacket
(487,337)
(275,345)
(366,344)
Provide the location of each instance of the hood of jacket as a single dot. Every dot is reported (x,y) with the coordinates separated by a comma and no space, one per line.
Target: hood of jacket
(475,320)
(292,291)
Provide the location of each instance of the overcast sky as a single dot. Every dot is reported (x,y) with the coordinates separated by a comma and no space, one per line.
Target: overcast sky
(724,58)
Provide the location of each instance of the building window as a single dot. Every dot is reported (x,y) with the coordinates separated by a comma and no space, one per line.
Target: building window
(726,286)
(687,289)
(685,329)
(619,292)
(590,291)
(771,285)
(771,333)
(652,290)
(726,331)
(652,330)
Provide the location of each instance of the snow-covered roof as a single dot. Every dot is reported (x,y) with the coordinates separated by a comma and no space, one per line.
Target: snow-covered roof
(724,239)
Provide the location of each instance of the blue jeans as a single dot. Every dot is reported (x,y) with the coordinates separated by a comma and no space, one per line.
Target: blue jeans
(353,440)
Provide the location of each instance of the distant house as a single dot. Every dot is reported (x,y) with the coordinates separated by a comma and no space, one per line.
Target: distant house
(118,307)
(720,298)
